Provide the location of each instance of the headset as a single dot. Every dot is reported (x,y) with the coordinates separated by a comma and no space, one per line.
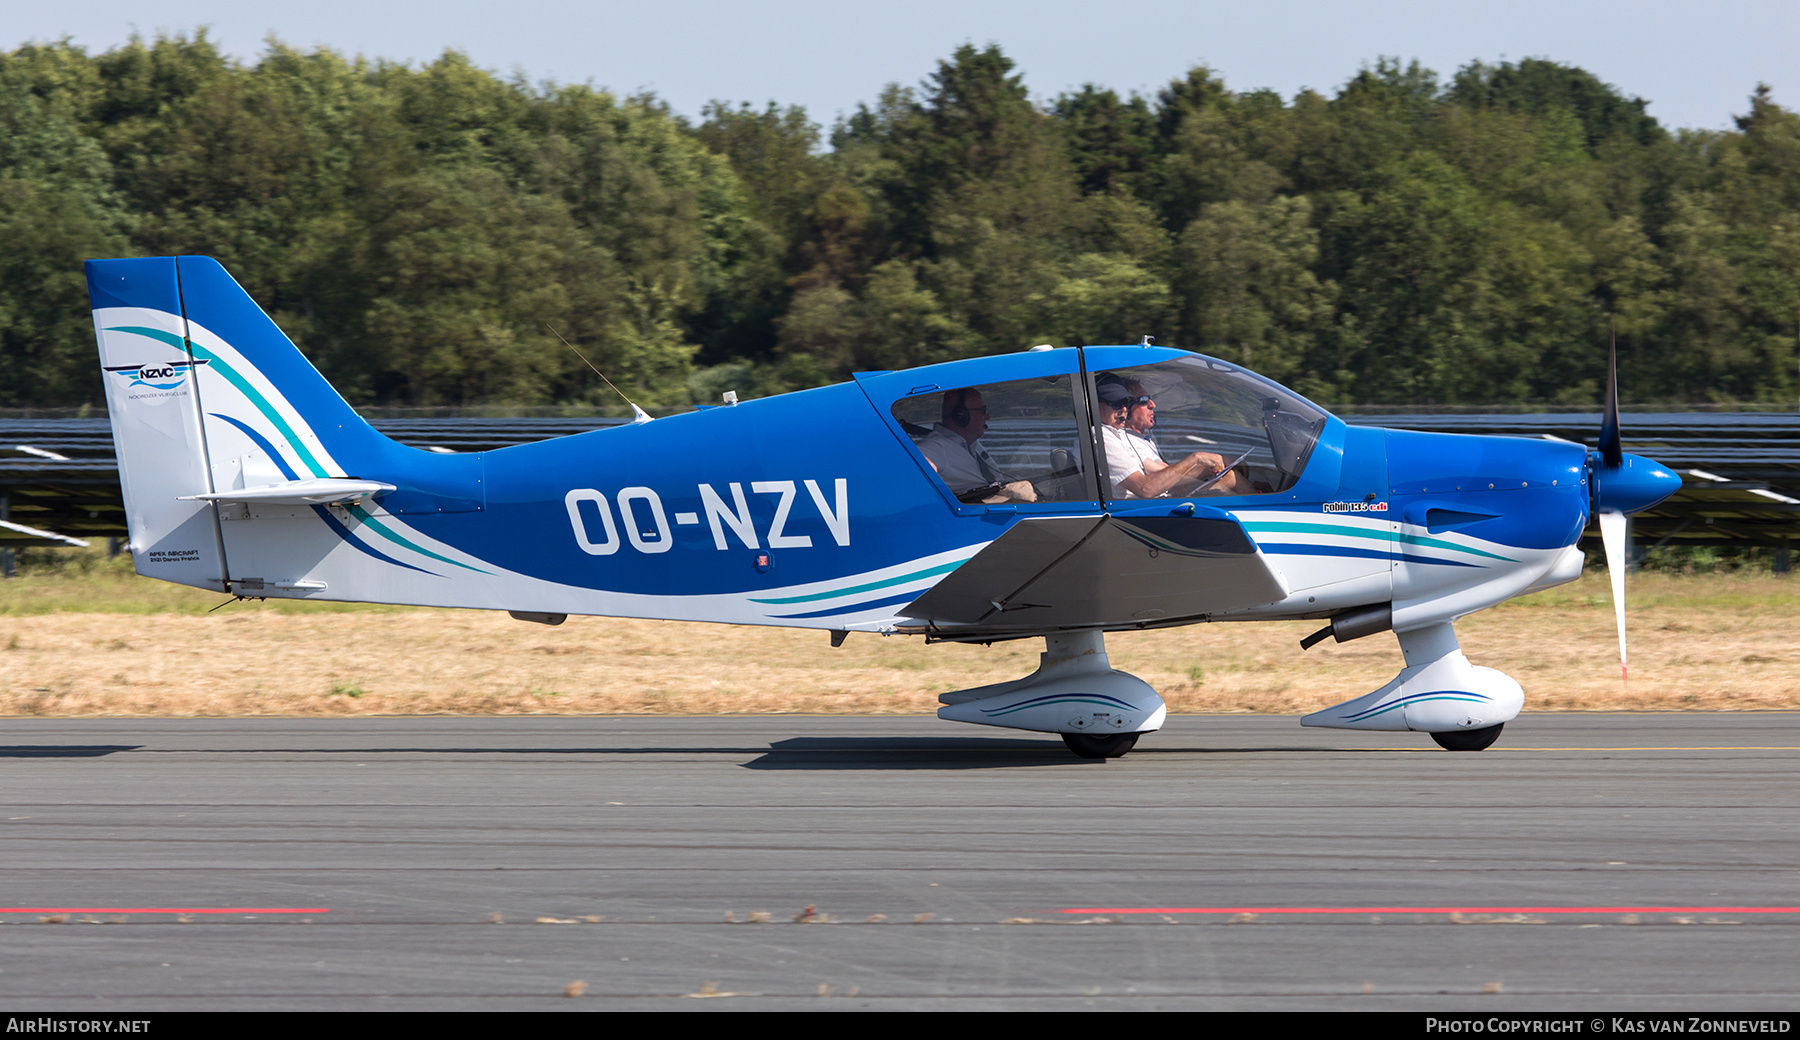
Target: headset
(959,412)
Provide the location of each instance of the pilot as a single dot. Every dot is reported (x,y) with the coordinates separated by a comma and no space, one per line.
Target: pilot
(1136,467)
(953,448)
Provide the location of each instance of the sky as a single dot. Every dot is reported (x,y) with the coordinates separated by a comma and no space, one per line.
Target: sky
(1696,63)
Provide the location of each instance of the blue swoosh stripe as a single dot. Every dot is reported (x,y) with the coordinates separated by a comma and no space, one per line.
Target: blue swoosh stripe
(1054,698)
(344,533)
(941,568)
(324,513)
(852,608)
(1410,558)
(1415,698)
(1303,549)
(263,443)
(1061,698)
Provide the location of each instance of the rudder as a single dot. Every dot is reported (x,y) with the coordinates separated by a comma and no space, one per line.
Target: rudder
(153,398)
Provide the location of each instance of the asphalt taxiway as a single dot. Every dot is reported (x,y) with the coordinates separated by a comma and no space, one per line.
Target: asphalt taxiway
(1586,862)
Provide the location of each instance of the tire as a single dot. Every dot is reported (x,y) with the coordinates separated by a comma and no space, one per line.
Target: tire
(1469,739)
(1112,745)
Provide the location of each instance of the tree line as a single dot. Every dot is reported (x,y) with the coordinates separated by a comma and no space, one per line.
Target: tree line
(429,235)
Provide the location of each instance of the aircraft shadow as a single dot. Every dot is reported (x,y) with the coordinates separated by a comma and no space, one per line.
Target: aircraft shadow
(440,750)
(836,753)
(984,753)
(915,753)
(64,750)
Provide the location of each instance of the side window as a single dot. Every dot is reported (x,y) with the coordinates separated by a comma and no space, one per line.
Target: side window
(1001,442)
(1197,427)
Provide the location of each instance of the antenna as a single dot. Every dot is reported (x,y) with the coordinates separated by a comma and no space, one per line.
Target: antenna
(638,414)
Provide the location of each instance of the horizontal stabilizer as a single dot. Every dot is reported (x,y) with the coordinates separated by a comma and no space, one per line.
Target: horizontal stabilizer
(318,491)
(1103,571)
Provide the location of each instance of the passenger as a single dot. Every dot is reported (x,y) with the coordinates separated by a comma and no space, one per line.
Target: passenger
(1140,416)
(953,448)
(1136,467)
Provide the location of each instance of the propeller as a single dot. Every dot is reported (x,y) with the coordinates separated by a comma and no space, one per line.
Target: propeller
(1612,536)
(1612,522)
(1621,484)
(1610,452)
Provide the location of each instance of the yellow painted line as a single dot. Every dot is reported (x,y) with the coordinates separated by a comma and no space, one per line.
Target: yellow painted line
(1772,747)
(1747,747)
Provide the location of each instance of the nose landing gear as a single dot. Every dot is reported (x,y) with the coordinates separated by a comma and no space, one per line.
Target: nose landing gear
(1468,739)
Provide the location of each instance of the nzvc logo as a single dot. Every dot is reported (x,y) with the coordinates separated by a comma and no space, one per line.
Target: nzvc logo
(165,376)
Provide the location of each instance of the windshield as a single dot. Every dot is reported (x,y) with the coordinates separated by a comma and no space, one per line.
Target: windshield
(1236,432)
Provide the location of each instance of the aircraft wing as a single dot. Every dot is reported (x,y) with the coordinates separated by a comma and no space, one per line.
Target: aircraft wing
(1102,571)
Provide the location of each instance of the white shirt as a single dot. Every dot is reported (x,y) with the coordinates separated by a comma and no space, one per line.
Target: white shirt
(958,461)
(1126,453)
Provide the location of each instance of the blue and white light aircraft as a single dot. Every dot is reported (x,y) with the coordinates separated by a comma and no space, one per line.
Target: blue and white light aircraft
(1054,493)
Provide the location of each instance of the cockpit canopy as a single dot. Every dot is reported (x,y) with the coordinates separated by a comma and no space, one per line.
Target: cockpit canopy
(1044,437)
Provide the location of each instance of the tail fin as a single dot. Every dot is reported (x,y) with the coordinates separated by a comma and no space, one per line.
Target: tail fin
(209,398)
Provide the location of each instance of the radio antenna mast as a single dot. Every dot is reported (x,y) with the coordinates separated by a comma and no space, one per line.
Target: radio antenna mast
(638,414)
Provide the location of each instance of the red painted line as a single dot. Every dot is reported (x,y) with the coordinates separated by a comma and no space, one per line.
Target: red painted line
(163,910)
(1435,910)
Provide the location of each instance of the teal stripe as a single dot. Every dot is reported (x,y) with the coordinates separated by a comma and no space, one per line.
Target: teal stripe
(1403,703)
(942,568)
(231,376)
(1439,543)
(262,405)
(1072,699)
(1331,529)
(293,439)
(362,514)
(1380,536)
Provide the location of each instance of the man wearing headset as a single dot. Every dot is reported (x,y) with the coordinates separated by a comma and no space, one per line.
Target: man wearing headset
(1135,465)
(953,448)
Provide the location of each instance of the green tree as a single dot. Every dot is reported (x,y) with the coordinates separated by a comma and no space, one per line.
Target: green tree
(1102,298)
(1537,86)
(1246,288)
(57,208)
(419,230)
(1112,142)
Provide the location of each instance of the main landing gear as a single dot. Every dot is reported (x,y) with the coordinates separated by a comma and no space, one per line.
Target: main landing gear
(1090,745)
(1098,711)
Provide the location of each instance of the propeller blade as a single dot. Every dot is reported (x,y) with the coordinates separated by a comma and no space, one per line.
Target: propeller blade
(1612,536)
(1610,450)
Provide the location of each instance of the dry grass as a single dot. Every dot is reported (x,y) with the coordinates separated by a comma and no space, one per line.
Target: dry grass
(110,644)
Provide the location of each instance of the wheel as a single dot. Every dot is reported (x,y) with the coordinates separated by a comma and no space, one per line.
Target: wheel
(1089,745)
(1469,739)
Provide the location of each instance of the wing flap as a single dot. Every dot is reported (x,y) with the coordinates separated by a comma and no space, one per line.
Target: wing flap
(1103,571)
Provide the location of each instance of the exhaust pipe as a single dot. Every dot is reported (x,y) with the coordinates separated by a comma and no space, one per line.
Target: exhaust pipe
(1354,624)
